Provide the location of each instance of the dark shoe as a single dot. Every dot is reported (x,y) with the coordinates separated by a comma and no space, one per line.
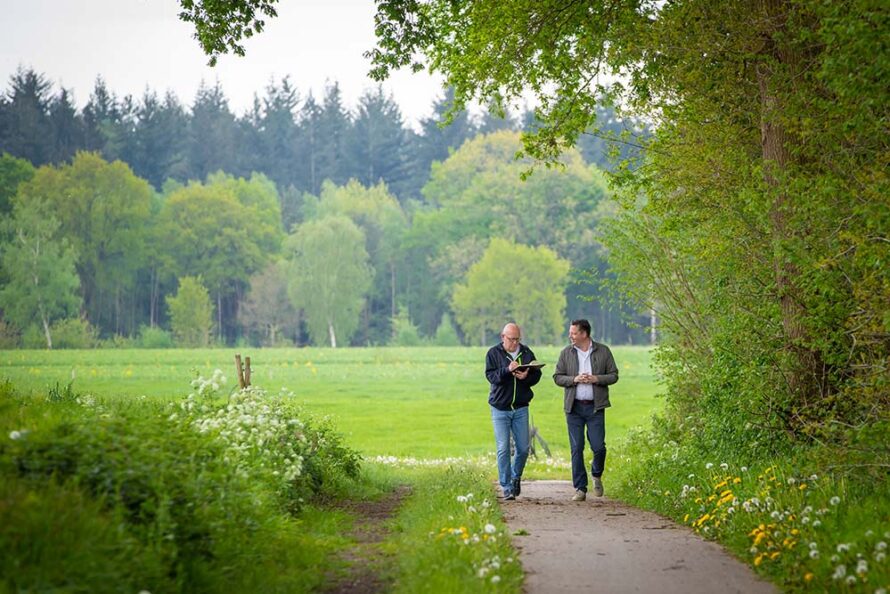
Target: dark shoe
(597,486)
(517,487)
(509,497)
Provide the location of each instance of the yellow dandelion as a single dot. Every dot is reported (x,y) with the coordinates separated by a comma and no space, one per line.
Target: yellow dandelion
(736,481)
(802,486)
(775,555)
(685,518)
(808,577)
(758,560)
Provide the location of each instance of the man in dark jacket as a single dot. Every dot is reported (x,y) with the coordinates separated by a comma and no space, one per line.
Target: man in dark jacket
(586,369)
(508,398)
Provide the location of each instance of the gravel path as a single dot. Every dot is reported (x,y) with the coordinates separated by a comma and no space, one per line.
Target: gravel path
(602,545)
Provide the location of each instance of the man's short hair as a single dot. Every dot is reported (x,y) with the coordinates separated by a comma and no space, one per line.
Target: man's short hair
(582,324)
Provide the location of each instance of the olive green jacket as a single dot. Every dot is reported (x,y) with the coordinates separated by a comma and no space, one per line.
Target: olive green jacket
(602,365)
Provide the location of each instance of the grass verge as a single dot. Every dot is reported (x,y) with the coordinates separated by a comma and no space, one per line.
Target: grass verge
(807,522)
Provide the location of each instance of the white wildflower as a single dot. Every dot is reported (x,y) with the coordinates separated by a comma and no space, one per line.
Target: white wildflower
(839,572)
(709,466)
(495,579)
(834,500)
(490,529)
(862,567)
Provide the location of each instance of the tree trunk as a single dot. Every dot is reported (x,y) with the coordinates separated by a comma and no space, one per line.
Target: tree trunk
(392,289)
(775,143)
(46,333)
(331,334)
(653,321)
(219,315)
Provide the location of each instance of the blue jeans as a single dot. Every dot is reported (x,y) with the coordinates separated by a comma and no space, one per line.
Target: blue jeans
(506,422)
(583,415)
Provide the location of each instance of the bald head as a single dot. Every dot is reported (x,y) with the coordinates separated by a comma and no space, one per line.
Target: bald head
(510,336)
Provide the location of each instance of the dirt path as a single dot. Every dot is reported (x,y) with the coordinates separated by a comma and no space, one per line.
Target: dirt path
(602,545)
(366,561)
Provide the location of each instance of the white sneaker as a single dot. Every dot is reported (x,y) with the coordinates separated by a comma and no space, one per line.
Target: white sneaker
(579,495)
(597,487)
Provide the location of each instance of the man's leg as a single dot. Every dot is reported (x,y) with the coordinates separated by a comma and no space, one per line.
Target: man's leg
(519,428)
(575,424)
(501,420)
(596,435)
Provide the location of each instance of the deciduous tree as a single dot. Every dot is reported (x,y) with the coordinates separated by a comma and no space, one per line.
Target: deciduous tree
(329,277)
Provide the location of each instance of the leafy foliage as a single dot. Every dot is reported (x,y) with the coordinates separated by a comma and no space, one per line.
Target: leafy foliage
(191,313)
(513,282)
(329,276)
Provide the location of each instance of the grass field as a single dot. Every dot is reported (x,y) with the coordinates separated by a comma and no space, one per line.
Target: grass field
(424,402)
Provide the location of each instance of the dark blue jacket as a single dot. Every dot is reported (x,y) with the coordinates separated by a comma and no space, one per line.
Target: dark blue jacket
(507,392)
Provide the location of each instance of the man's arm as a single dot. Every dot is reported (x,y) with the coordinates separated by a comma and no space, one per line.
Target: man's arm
(495,372)
(561,376)
(609,374)
(534,373)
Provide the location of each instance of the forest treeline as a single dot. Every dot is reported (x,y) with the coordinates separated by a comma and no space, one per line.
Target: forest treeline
(297,221)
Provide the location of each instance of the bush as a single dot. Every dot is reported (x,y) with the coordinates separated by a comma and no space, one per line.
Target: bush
(10,337)
(155,338)
(446,335)
(33,338)
(112,496)
(404,331)
(73,333)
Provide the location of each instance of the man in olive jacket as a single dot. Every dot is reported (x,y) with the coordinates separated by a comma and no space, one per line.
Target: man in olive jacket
(586,369)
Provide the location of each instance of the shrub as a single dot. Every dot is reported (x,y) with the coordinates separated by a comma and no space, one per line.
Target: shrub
(10,337)
(446,335)
(154,338)
(191,313)
(404,331)
(33,338)
(108,496)
(73,333)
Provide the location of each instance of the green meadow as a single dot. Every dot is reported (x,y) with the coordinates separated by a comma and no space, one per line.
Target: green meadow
(425,402)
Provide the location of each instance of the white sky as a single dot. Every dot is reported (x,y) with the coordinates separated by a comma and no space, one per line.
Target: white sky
(134,44)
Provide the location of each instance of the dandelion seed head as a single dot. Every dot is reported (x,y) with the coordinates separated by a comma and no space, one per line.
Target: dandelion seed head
(834,500)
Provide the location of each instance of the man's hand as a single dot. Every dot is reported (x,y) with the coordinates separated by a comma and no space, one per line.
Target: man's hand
(586,378)
(513,365)
(521,375)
